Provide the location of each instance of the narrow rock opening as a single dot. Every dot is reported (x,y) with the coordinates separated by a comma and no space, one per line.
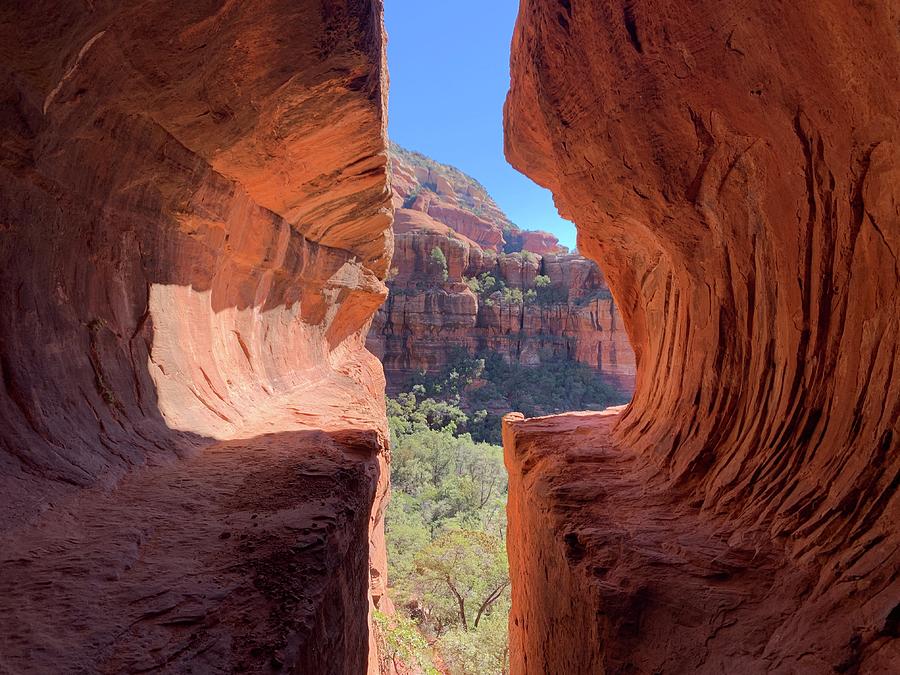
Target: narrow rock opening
(491,309)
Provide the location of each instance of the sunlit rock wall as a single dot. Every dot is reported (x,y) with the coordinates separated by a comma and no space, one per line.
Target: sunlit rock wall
(194,229)
(734,171)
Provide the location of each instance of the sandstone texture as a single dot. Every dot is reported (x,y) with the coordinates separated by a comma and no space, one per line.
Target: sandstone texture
(194,232)
(733,168)
(428,312)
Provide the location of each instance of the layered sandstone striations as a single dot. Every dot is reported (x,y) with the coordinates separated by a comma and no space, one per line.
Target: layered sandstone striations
(431,307)
(734,171)
(194,229)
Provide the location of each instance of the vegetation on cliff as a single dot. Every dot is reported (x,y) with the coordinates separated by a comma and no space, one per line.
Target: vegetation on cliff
(485,387)
(445,529)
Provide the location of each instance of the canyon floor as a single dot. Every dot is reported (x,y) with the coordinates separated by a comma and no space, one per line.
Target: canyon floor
(207,564)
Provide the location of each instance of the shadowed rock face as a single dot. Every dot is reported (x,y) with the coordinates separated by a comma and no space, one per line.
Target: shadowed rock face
(734,171)
(194,229)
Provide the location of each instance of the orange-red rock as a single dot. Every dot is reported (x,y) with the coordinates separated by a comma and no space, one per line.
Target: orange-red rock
(426,314)
(733,169)
(538,241)
(194,229)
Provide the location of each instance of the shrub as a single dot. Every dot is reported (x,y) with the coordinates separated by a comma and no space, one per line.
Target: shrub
(542,281)
(401,642)
(440,260)
(512,296)
(411,198)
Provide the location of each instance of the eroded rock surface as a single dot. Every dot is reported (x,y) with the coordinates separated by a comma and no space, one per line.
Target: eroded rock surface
(428,313)
(734,172)
(194,229)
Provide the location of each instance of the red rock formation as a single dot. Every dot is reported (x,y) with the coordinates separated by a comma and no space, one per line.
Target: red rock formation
(734,172)
(426,313)
(449,196)
(195,228)
(540,242)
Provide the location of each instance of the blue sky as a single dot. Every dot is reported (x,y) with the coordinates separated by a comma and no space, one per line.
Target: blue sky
(449,67)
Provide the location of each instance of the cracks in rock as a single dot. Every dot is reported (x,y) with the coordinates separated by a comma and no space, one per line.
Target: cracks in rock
(138,329)
(95,326)
(71,71)
(244,348)
(707,145)
(630,22)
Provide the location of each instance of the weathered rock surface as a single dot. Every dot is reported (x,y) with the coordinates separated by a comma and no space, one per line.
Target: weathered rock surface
(426,314)
(451,197)
(194,229)
(734,172)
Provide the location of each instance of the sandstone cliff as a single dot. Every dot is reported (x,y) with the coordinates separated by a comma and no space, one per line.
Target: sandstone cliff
(194,229)
(734,171)
(433,306)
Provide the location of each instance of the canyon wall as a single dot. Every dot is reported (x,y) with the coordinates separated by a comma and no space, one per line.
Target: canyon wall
(194,232)
(433,308)
(734,170)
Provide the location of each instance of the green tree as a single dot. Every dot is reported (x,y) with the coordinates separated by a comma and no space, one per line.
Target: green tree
(445,530)
(440,261)
(481,652)
(406,533)
(468,570)
(512,296)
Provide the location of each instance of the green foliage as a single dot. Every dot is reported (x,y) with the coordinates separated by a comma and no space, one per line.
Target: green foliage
(401,642)
(441,479)
(463,574)
(460,372)
(556,385)
(475,653)
(446,521)
(512,296)
(486,286)
(407,533)
(529,256)
(412,411)
(440,261)
(445,530)
(469,393)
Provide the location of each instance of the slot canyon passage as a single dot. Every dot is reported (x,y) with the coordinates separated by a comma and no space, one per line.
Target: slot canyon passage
(195,233)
